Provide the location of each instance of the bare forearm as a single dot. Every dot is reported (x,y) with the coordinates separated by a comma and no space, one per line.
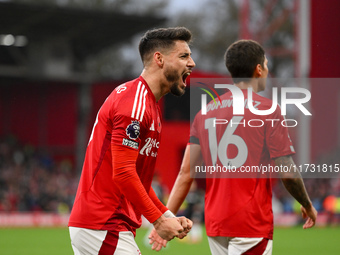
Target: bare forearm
(192,157)
(179,191)
(297,189)
(293,181)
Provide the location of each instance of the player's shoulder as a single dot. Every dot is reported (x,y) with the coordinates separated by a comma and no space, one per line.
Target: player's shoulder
(124,93)
(261,98)
(263,102)
(130,99)
(127,89)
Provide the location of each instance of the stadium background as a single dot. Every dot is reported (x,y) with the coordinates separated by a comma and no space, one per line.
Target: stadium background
(60,59)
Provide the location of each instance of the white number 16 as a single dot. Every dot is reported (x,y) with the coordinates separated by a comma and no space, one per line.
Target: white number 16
(228,137)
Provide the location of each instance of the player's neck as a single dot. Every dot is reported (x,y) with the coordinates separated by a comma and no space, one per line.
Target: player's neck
(154,84)
(251,84)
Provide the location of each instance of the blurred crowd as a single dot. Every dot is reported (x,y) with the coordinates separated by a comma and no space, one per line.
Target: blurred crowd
(30,180)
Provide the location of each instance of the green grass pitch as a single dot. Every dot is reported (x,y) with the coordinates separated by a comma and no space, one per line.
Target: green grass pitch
(41,241)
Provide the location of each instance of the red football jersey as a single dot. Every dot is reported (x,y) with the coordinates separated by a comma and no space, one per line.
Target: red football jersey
(240,207)
(129,118)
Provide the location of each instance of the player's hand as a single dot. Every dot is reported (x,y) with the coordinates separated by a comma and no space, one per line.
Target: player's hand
(186,224)
(168,228)
(309,214)
(156,241)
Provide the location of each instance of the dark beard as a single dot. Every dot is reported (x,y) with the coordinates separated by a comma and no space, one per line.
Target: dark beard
(176,90)
(172,76)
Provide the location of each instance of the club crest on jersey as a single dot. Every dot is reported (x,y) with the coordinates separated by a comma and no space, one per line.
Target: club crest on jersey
(121,88)
(133,130)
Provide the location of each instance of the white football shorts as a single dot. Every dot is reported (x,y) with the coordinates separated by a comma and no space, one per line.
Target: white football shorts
(240,245)
(102,242)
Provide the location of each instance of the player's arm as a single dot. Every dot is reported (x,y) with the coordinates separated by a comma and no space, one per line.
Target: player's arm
(156,201)
(294,184)
(166,212)
(126,178)
(155,240)
(192,157)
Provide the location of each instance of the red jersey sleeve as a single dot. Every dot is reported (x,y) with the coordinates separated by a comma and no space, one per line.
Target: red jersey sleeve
(128,116)
(126,178)
(126,131)
(129,124)
(156,201)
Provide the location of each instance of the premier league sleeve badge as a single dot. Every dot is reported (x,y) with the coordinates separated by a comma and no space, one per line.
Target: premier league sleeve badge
(133,130)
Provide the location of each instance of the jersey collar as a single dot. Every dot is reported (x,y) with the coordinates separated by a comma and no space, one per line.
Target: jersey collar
(148,88)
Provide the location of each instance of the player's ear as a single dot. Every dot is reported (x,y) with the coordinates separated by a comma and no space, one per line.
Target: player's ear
(158,58)
(258,71)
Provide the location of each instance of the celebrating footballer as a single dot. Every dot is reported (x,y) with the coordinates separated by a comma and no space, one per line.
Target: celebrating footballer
(115,185)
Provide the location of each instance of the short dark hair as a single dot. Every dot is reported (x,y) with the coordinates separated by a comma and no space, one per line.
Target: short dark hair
(241,59)
(160,39)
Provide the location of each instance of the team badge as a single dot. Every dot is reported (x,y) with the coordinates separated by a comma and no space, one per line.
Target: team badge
(133,130)
(121,88)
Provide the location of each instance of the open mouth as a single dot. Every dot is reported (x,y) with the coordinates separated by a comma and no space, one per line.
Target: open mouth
(185,76)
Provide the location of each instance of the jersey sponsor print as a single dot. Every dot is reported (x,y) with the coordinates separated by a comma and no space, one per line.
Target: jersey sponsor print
(128,119)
